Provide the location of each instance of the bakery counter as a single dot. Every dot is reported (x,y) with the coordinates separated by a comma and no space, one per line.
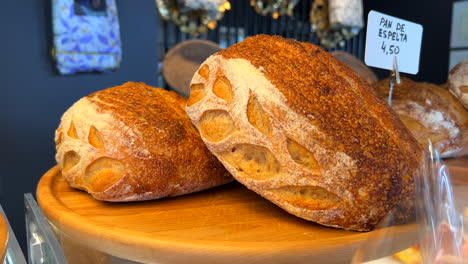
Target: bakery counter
(227,224)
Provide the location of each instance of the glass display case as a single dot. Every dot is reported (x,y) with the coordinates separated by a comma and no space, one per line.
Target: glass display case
(13,255)
(46,244)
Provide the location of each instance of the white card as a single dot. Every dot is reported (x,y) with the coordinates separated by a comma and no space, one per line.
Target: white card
(389,36)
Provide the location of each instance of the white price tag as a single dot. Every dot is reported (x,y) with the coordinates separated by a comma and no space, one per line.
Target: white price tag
(389,36)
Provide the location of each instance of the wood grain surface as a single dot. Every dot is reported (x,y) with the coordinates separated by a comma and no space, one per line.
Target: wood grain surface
(3,238)
(458,169)
(228,224)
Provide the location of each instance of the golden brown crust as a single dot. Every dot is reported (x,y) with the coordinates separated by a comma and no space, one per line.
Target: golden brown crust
(431,112)
(149,148)
(371,155)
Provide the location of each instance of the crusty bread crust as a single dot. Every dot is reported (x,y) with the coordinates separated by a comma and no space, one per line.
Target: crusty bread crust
(458,82)
(305,132)
(134,142)
(431,112)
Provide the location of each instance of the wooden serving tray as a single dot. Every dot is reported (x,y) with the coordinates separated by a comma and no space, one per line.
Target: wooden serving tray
(3,237)
(228,224)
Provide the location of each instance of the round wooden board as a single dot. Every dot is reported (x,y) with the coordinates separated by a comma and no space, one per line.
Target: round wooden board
(3,238)
(228,224)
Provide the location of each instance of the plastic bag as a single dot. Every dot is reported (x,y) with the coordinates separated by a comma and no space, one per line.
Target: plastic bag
(437,236)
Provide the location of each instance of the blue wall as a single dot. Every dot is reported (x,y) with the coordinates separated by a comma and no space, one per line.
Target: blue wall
(36,96)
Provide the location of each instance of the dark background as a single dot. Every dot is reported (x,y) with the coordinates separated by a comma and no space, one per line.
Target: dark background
(436,17)
(36,96)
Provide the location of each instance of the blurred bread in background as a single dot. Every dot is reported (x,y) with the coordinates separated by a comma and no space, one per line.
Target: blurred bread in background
(458,82)
(430,112)
(356,65)
(183,60)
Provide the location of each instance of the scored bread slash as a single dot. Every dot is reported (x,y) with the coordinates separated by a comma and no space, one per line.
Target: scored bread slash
(301,129)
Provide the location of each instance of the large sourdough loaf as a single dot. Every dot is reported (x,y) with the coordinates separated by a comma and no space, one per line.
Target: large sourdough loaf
(430,112)
(298,127)
(134,142)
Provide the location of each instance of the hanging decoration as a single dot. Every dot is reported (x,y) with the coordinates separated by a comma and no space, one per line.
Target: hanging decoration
(193,16)
(86,36)
(274,7)
(336,21)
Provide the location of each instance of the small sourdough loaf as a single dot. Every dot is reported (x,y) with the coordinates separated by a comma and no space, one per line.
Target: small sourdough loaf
(430,112)
(134,142)
(298,127)
(356,65)
(458,82)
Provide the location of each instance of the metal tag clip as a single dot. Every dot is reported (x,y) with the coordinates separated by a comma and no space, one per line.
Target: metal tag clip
(395,77)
